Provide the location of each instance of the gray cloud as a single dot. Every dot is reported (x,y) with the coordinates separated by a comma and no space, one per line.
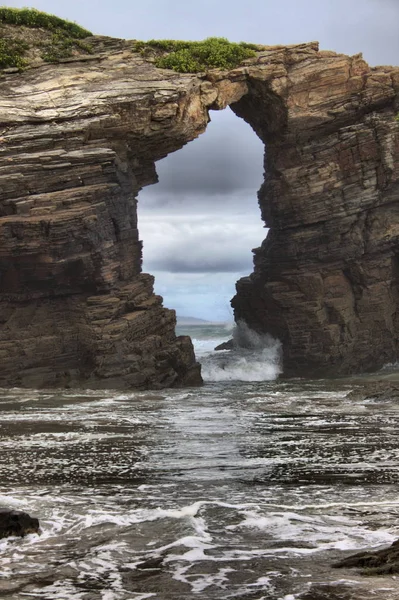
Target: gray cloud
(227,159)
(199,245)
(221,205)
(193,264)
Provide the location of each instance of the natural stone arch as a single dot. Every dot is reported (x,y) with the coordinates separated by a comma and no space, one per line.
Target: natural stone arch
(79,140)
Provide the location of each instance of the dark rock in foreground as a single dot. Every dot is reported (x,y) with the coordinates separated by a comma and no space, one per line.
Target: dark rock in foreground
(381,562)
(151,563)
(16,523)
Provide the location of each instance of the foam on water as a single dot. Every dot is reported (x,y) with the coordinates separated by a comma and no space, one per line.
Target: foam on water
(315,532)
(255,357)
(321,532)
(224,497)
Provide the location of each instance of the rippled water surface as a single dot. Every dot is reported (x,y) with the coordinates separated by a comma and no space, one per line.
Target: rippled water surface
(236,490)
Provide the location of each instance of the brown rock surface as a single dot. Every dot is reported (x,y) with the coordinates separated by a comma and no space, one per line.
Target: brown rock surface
(79,140)
(326,279)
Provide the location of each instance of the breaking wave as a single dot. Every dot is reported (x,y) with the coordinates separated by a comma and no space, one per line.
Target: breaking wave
(253,357)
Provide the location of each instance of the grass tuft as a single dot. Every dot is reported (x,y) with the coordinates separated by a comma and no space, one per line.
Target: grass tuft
(12,53)
(57,39)
(30,17)
(62,46)
(194,57)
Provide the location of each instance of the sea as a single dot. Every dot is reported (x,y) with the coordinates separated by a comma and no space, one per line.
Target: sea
(248,488)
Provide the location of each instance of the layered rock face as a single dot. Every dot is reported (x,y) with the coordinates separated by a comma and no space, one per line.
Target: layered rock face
(80,139)
(326,278)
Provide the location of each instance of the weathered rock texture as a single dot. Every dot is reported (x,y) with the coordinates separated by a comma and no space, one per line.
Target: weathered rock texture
(326,279)
(80,139)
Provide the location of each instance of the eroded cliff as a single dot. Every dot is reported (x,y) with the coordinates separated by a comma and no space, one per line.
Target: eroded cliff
(79,140)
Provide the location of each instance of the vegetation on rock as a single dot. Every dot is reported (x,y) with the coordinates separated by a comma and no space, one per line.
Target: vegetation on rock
(12,52)
(30,17)
(56,38)
(62,46)
(193,57)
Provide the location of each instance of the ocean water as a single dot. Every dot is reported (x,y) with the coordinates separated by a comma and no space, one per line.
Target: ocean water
(247,488)
(257,360)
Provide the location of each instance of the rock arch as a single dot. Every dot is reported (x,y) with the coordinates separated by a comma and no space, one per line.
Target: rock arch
(80,139)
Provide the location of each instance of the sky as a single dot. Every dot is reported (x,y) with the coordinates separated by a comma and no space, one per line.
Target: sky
(200,222)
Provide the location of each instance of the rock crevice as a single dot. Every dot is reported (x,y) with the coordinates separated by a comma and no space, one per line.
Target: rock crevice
(79,140)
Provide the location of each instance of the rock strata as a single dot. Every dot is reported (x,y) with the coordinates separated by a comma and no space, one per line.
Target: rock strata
(80,139)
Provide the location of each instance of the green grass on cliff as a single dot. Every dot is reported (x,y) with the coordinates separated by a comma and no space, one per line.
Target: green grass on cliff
(12,53)
(54,40)
(30,17)
(28,37)
(194,57)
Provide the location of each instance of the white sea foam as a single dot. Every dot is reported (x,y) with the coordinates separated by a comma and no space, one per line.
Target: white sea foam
(322,532)
(196,455)
(254,357)
(203,581)
(263,581)
(10,502)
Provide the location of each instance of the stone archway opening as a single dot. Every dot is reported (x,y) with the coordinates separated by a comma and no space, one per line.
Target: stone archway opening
(201,220)
(314,285)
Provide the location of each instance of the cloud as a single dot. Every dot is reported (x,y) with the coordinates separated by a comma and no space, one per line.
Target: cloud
(203,216)
(193,203)
(224,161)
(200,244)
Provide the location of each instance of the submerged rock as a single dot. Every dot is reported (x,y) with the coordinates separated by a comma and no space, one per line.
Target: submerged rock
(376,390)
(380,562)
(229,345)
(151,563)
(17,523)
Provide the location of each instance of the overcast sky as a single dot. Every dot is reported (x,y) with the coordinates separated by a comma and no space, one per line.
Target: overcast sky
(201,220)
